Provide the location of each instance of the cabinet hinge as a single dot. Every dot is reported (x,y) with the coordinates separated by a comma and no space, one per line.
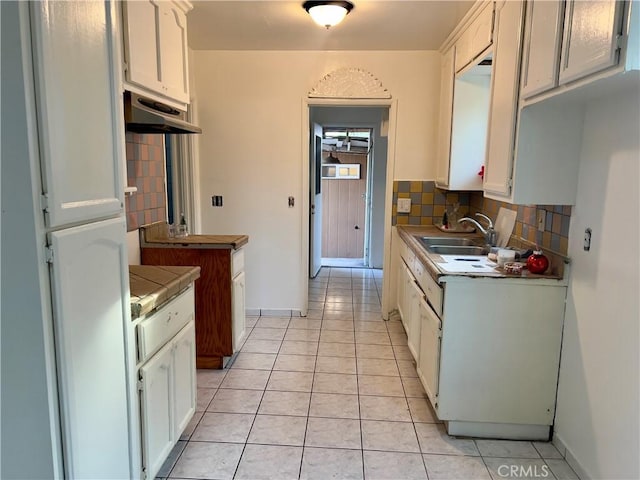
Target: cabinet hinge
(140,385)
(143,474)
(48,254)
(44,202)
(619,41)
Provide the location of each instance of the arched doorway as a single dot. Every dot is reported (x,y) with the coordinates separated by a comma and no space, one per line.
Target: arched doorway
(348,88)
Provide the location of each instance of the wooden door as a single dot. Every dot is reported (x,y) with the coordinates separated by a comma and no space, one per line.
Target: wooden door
(343,211)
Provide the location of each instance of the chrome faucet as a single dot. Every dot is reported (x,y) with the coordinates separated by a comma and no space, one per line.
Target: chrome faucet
(490,235)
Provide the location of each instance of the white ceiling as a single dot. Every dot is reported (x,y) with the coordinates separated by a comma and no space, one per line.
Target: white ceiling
(285,25)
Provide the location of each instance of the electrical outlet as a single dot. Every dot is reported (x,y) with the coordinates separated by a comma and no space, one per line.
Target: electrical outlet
(404,205)
(542,219)
(587,240)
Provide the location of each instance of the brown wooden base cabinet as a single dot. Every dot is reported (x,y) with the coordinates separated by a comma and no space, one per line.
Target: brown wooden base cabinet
(220,315)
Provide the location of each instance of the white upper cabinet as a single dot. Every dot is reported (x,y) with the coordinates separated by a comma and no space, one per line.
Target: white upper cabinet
(592,31)
(80,120)
(476,38)
(574,43)
(464,101)
(504,97)
(447,77)
(156,50)
(543,37)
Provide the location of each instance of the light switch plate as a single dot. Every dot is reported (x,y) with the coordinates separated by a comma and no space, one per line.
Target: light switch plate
(404,205)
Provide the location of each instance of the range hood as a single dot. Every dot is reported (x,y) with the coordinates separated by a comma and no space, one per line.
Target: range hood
(144,115)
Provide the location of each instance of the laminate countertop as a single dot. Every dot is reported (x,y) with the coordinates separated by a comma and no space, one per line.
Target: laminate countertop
(151,286)
(155,235)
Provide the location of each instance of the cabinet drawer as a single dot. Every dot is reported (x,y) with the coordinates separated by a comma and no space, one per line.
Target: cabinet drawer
(160,327)
(237,262)
(431,289)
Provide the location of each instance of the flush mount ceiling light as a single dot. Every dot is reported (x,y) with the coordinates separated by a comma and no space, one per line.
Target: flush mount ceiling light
(327,13)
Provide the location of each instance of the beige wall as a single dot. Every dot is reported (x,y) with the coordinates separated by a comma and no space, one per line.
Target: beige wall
(249,106)
(597,416)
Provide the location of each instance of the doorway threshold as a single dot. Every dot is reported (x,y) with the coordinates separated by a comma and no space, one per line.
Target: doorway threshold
(344,262)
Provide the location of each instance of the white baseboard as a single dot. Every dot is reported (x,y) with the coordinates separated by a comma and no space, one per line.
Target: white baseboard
(569,457)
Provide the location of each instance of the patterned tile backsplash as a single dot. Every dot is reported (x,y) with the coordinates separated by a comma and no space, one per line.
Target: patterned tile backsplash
(429,203)
(145,170)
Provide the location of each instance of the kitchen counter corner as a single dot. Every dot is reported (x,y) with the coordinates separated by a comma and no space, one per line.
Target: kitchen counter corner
(151,286)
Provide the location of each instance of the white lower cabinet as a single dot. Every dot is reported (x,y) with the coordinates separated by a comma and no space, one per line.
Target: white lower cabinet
(238,319)
(416,297)
(489,361)
(184,361)
(429,359)
(167,383)
(157,414)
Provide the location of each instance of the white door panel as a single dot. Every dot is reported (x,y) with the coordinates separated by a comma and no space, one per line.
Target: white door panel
(315,194)
(238,318)
(91,298)
(184,357)
(429,361)
(590,38)
(157,409)
(74,60)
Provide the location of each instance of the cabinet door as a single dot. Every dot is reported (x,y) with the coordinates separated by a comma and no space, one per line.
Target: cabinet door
(142,49)
(238,310)
(504,97)
(543,34)
(174,53)
(157,410)
(89,322)
(429,361)
(404,302)
(184,368)
(447,78)
(413,335)
(78,102)
(475,39)
(590,42)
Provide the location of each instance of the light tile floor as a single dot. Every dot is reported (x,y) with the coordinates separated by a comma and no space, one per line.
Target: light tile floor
(335,395)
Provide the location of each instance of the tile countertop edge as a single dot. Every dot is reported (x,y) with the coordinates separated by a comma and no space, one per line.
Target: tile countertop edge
(154,235)
(409,233)
(152,286)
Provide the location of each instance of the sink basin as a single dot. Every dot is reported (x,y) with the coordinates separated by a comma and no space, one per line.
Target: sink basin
(457,250)
(446,241)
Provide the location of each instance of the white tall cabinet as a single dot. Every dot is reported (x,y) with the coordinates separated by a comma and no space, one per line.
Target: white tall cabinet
(69,105)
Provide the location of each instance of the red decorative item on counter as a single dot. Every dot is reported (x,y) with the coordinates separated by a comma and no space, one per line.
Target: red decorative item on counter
(537,263)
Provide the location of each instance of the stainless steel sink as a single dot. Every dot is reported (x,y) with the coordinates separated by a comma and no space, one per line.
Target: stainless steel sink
(446,241)
(457,249)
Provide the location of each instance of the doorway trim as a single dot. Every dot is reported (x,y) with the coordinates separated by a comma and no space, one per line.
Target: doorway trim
(306,104)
